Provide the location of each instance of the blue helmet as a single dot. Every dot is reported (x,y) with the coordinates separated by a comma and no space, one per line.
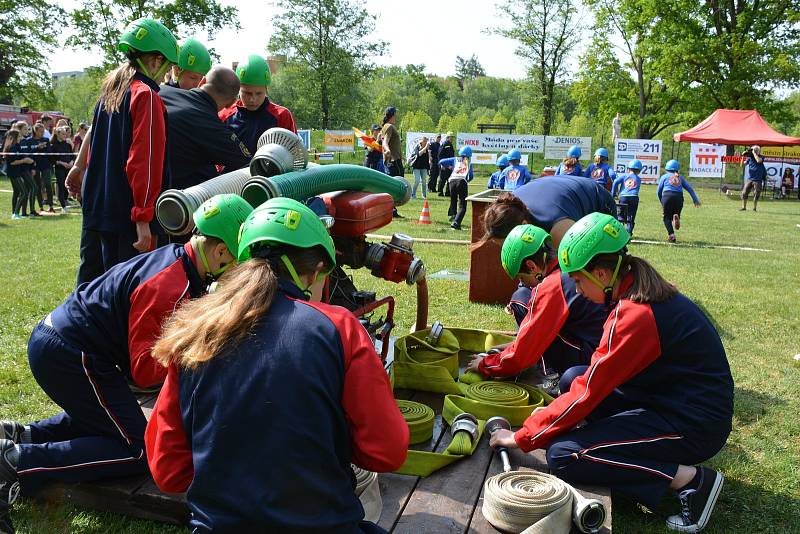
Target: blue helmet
(514,154)
(673,165)
(635,164)
(602,152)
(465,152)
(574,152)
(502,161)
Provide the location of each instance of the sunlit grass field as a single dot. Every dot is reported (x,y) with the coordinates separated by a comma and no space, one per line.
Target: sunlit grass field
(753,297)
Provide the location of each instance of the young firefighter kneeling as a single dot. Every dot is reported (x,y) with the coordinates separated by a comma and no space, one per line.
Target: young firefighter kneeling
(84,353)
(657,396)
(262,414)
(557,325)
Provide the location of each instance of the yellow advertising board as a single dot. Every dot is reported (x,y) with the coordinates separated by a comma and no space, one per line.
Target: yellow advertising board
(339,140)
(781,151)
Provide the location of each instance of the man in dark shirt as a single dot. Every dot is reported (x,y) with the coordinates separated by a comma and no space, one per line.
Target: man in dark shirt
(198,140)
(433,158)
(445,151)
(757,174)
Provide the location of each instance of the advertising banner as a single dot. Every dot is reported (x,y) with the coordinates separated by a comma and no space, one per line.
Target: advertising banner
(556,146)
(305,136)
(339,140)
(490,142)
(777,169)
(705,160)
(648,151)
(412,138)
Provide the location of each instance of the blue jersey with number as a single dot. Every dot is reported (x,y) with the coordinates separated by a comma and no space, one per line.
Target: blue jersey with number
(627,184)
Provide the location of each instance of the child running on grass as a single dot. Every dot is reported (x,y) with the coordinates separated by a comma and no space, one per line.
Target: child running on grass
(657,396)
(627,185)
(670,194)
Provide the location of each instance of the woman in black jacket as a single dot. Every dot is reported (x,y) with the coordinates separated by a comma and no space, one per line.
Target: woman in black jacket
(63,163)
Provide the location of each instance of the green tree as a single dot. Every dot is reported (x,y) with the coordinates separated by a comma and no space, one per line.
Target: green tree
(547,31)
(76,97)
(468,70)
(98,23)
(25,39)
(416,121)
(327,38)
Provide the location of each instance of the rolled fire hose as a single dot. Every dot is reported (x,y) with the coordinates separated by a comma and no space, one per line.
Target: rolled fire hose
(300,185)
(419,419)
(530,502)
(369,493)
(174,207)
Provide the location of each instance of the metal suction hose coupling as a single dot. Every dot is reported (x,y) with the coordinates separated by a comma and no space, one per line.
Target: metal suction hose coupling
(466,422)
(435,334)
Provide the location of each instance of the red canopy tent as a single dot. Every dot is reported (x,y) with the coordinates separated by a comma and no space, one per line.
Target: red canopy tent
(735,127)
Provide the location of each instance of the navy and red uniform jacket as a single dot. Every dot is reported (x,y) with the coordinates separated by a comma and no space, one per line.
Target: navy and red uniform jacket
(249,125)
(198,141)
(128,164)
(666,357)
(118,316)
(263,434)
(555,310)
(554,198)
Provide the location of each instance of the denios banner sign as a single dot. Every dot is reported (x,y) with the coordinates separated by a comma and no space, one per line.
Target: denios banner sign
(648,151)
(489,142)
(556,146)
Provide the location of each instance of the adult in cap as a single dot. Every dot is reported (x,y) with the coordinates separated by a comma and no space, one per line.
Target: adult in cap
(254,113)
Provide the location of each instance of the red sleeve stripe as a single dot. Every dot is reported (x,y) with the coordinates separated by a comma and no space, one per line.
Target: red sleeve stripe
(592,369)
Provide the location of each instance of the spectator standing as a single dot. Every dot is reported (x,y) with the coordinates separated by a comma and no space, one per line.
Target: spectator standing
(757,173)
(47,122)
(80,135)
(445,151)
(373,157)
(14,165)
(63,163)
(390,139)
(420,166)
(433,162)
(28,145)
(616,127)
(43,168)
(197,140)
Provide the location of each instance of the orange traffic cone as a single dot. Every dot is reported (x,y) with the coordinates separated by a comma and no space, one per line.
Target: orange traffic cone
(425,215)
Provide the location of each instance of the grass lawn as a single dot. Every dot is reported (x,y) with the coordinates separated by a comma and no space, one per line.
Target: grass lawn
(752,297)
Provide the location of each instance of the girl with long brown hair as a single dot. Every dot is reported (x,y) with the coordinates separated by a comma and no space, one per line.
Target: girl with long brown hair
(13,169)
(128,160)
(271,395)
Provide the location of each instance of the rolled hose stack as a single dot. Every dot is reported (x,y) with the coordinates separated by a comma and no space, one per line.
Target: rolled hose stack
(300,185)
(419,419)
(174,208)
(537,503)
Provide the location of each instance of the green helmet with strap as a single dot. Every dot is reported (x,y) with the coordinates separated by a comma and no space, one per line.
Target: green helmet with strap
(194,56)
(254,71)
(148,35)
(522,242)
(221,216)
(284,221)
(596,233)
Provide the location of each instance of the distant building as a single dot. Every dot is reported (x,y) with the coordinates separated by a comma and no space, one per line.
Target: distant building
(67,74)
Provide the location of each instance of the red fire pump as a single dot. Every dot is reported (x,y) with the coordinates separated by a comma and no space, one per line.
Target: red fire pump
(355,214)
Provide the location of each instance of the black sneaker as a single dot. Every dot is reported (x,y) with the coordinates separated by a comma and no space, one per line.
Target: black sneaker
(11,430)
(697,503)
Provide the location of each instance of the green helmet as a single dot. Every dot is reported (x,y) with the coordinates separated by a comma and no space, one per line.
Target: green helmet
(254,71)
(194,56)
(148,35)
(596,233)
(523,241)
(284,221)
(221,216)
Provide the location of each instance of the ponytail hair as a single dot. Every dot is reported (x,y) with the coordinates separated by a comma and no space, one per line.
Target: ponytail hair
(648,285)
(116,82)
(501,216)
(12,137)
(203,328)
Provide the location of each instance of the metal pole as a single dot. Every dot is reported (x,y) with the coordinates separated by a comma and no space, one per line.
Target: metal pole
(672,152)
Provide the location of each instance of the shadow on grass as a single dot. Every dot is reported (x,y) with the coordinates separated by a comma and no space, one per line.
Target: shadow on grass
(741,507)
(750,406)
(723,333)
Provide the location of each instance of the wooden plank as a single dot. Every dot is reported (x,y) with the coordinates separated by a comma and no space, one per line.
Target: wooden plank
(168,507)
(397,489)
(444,502)
(534,461)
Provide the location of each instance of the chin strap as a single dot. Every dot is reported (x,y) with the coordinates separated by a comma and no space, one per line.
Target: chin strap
(158,75)
(296,279)
(607,289)
(210,275)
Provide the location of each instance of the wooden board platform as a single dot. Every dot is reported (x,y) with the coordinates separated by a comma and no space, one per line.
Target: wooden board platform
(448,501)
